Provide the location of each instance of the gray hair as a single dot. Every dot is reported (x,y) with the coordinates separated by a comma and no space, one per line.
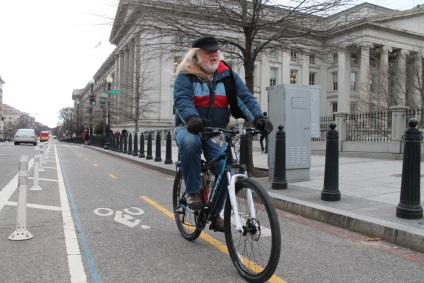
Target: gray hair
(190,58)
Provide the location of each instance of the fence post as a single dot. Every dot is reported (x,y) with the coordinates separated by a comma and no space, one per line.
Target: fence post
(409,206)
(130,144)
(141,145)
(121,139)
(158,147)
(168,155)
(331,191)
(135,151)
(149,146)
(21,232)
(125,151)
(280,181)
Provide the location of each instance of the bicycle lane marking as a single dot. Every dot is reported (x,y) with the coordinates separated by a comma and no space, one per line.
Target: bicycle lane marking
(211,240)
(76,267)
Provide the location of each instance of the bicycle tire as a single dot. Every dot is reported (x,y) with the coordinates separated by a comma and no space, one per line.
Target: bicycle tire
(255,254)
(184,217)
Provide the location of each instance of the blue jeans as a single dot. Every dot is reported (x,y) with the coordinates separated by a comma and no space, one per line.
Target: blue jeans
(190,151)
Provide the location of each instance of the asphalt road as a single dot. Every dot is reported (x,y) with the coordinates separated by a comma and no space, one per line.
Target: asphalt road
(102,219)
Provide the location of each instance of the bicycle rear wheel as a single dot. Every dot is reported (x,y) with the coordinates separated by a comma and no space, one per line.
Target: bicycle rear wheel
(255,252)
(184,217)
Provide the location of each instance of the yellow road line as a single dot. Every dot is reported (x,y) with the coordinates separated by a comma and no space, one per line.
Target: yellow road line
(112,176)
(211,240)
(95,165)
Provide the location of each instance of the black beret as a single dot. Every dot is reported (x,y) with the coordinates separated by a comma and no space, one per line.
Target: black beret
(207,42)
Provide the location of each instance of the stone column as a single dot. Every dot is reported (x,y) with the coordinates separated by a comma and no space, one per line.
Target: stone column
(286,67)
(343,101)
(383,83)
(131,75)
(364,77)
(121,83)
(305,69)
(398,122)
(401,77)
(418,78)
(124,97)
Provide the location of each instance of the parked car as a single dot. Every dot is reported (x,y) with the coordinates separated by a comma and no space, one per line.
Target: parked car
(44,136)
(25,136)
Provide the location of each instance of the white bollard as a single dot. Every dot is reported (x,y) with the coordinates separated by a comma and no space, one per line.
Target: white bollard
(45,155)
(36,187)
(41,169)
(21,232)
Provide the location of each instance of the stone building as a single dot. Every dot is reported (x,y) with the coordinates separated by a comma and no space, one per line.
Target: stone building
(372,61)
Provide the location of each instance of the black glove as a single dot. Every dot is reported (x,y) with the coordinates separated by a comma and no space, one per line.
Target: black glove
(264,125)
(196,125)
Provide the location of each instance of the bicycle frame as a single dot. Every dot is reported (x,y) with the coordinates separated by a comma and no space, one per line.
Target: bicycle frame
(231,162)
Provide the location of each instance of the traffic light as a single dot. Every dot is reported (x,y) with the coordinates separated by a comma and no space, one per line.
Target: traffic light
(92,100)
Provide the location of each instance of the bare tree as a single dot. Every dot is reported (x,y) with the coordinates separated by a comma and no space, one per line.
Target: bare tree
(67,120)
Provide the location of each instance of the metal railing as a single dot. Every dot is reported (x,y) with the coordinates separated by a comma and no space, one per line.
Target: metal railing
(372,126)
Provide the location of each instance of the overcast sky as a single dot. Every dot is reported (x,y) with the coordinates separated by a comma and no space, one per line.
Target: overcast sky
(50,47)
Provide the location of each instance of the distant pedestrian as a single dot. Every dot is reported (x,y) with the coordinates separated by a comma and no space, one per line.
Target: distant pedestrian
(85,137)
(264,149)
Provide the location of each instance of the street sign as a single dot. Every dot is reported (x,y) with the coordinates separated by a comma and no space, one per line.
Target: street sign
(115,92)
(103,95)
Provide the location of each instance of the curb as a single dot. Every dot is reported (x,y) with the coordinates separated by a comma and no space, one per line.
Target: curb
(398,234)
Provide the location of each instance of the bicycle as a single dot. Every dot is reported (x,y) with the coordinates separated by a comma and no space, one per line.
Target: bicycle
(252,230)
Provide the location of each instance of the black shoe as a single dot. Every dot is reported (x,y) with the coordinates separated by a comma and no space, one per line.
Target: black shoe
(194,201)
(217,223)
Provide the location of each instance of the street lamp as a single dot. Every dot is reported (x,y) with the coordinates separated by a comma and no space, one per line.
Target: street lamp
(92,81)
(109,81)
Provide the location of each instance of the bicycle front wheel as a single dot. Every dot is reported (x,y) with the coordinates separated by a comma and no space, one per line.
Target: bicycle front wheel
(255,251)
(185,217)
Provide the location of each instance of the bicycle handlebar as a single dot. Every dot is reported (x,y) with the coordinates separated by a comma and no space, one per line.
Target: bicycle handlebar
(212,132)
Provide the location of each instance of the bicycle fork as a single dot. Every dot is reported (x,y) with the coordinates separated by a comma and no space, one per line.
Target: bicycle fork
(232,193)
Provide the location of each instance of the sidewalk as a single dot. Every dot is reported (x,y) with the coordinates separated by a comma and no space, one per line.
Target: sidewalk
(370,192)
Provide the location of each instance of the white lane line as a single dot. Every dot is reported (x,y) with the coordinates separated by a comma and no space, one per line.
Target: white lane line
(43,179)
(32,205)
(11,187)
(76,268)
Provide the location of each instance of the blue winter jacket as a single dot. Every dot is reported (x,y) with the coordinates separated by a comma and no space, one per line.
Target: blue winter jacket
(193,91)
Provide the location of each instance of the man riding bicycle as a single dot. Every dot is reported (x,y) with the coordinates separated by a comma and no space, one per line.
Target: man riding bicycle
(205,90)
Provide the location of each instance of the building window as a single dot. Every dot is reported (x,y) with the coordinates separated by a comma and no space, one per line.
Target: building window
(352,81)
(312,59)
(335,58)
(312,78)
(354,58)
(273,76)
(335,81)
(293,76)
(293,56)
(334,107)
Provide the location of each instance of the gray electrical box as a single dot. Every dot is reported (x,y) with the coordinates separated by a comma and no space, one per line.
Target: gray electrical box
(296,108)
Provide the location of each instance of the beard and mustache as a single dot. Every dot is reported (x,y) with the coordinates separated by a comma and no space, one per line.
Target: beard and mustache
(208,65)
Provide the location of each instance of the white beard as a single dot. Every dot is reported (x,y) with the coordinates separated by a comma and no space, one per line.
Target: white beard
(208,67)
